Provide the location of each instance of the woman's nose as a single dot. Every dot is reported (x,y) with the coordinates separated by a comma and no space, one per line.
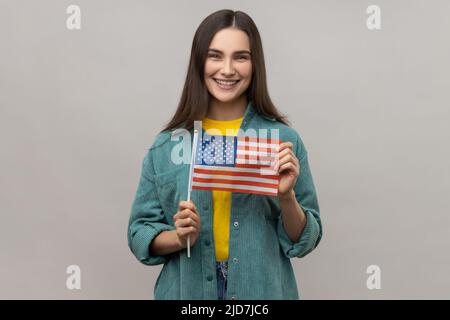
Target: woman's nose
(228,68)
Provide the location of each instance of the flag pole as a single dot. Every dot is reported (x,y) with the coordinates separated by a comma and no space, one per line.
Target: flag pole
(191,171)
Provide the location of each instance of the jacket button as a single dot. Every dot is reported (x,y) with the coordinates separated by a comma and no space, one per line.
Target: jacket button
(205,206)
(209,278)
(235,260)
(236,224)
(207,243)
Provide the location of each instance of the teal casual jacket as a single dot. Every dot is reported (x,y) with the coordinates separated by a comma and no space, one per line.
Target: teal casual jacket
(259,248)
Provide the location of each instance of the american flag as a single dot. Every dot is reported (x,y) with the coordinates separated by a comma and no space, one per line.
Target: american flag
(236,164)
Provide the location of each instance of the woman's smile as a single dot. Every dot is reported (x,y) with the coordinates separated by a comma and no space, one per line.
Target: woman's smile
(226,85)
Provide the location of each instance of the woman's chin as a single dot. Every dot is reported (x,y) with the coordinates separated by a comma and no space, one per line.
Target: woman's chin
(226,98)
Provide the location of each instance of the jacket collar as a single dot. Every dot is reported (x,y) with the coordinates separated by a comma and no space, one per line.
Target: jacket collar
(248,115)
(250,112)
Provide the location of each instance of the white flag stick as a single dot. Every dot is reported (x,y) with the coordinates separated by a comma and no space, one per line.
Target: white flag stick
(191,171)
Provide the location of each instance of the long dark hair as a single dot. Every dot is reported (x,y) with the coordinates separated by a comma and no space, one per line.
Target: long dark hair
(195,97)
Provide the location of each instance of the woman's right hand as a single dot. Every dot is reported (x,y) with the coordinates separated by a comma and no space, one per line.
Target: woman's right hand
(187,223)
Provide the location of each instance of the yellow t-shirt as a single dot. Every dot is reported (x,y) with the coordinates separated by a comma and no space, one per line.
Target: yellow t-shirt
(221,199)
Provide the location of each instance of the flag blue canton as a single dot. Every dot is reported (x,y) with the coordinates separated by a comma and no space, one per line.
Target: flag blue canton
(217,151)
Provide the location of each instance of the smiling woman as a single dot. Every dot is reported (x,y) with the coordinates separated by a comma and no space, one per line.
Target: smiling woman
(241,242)
(228,72)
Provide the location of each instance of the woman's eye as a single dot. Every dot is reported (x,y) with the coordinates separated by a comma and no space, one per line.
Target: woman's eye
(242,57)
(214,55)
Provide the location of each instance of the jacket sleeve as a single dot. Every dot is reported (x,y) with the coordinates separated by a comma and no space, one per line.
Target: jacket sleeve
(147,219)
(306,196)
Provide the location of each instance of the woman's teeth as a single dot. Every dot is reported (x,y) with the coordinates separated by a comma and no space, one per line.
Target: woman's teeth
(226,83)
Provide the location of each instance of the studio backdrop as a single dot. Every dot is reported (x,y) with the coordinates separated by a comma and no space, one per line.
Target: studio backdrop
(85,87)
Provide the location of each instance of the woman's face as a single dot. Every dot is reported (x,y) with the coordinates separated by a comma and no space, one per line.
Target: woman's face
(228,67)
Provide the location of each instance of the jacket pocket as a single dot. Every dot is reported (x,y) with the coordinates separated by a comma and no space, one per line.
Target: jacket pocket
(171,189)
(271,205)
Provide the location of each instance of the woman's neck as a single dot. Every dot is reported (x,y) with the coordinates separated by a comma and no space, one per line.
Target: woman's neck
(224,111)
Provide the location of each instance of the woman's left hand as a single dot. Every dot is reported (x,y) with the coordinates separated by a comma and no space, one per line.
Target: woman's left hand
(288,168)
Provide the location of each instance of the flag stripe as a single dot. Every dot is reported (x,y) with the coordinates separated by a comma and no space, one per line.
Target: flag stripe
(235,182)
(235,172)
(257,145)
(253,157)
(245,148)
(253,161)
(235,188)
(257,154)
(253,166)
(261,179)
(258,140)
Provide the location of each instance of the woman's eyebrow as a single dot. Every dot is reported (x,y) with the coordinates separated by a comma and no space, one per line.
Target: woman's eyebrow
(236,52)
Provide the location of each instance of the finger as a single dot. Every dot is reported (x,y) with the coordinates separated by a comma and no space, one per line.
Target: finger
(187,205)
(294,157)
(288,158)
(285,159)
(276,159)
(186,213)
(288,166)
(181,223)
(195,217)
(285,145)
(182,214)
(281,154)
(185,231)
(286,152)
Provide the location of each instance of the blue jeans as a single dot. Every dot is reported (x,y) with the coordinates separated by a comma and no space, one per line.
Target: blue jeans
(222,271)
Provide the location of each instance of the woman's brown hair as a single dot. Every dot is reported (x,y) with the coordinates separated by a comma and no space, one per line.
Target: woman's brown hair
(195,97)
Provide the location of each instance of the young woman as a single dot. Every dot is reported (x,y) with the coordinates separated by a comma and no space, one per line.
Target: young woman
(241,243)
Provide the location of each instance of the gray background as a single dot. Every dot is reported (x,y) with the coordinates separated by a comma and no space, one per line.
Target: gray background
(78,110)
